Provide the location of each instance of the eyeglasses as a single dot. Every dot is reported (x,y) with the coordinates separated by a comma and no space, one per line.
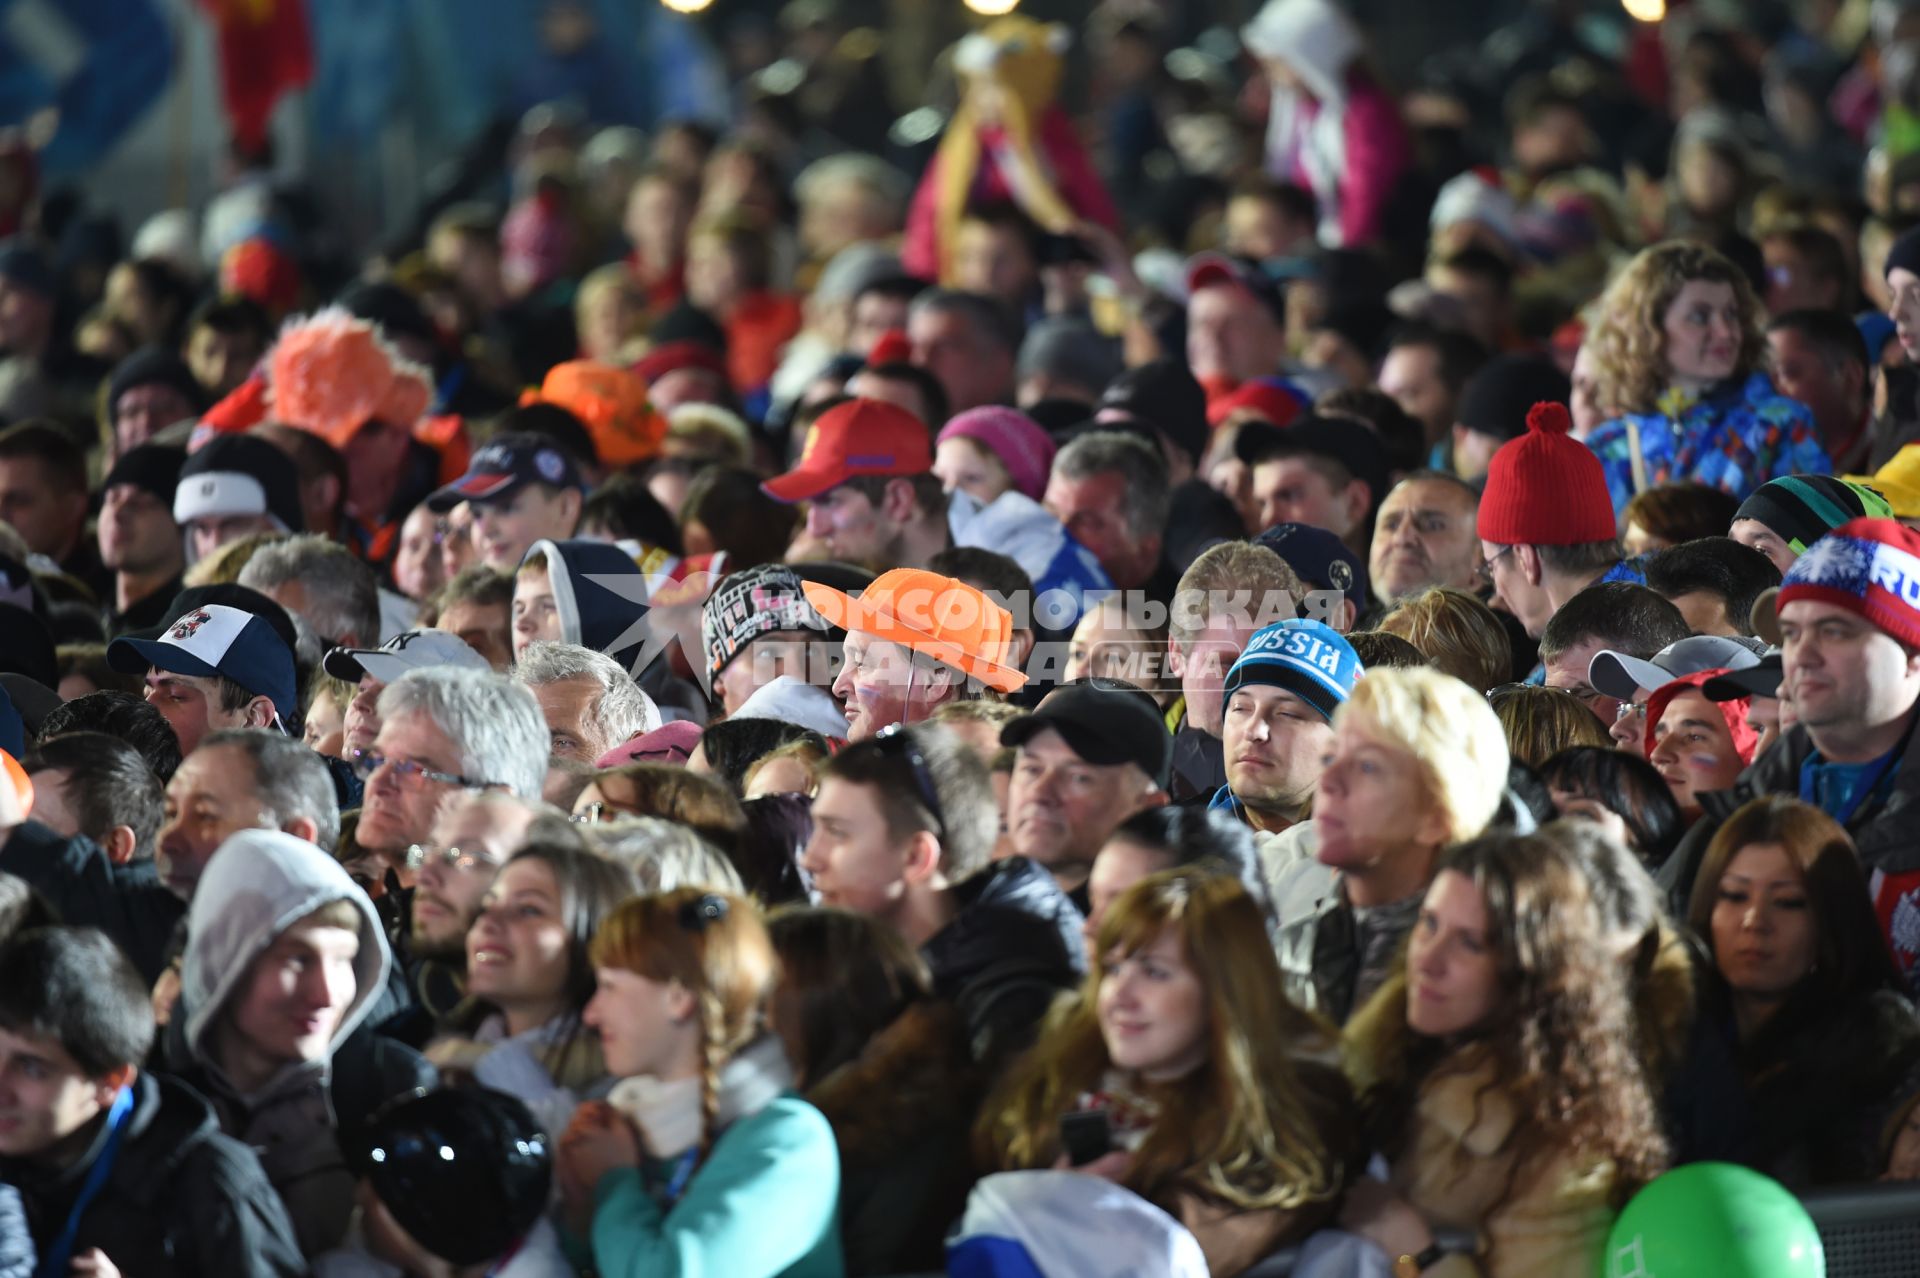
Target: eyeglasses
(461,860)
(1628,708)
(365,763)
(603,810)
(423,854)
(894,741)
(1484,573)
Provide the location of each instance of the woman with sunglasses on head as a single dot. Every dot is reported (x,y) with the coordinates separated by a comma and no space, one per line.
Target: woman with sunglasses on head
(1211,1095)
(1499,1073)
(529,979)
(702,1161)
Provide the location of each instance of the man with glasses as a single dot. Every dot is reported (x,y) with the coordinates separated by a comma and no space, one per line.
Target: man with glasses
(444,731)
(1616,617)
(902,829)
(472,838)
(1630,680)
(1546,522)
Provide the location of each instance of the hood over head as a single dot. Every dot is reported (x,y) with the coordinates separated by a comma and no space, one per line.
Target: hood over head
(600,592)
(257,885)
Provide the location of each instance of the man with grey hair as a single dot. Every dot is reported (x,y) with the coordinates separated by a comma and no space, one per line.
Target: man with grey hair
(590,703)
(969,342)
(1110,489)
(444,731)
(323,582)
(242,779)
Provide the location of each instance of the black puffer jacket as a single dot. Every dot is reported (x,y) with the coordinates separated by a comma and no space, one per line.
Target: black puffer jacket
(1011,949)
(181,1199)
(127,902)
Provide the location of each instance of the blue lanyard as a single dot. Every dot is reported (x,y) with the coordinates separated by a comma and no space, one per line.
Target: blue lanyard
(682,1173)
(55,1262)
(1869,782)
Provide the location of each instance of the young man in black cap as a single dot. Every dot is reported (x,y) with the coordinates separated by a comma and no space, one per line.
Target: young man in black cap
(233,487)
(139,541)
(522,489)
(1091,756)
(1493,407)
(116,1166)
(1319,471)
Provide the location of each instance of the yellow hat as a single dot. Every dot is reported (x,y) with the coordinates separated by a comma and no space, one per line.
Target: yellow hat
(1898,481)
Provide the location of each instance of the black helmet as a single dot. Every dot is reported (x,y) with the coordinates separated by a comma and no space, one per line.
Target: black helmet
(466,1172)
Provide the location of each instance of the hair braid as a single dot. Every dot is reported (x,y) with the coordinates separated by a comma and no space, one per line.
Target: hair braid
(713,1031)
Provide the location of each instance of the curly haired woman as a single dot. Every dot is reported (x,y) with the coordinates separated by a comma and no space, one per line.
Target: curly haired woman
(1500,1073)
(1679,350)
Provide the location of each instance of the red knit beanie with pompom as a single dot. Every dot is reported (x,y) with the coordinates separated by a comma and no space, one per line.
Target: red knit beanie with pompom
(1546,488)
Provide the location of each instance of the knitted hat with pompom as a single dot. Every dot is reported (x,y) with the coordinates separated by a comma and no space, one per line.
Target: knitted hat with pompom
(1546,488)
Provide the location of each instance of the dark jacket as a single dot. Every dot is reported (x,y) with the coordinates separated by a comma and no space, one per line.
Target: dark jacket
(1199,765)
(127,902)
(180,1199)
(1011,949)
(1886,831)
(1817,1097)
(901,1112)
(1332,960)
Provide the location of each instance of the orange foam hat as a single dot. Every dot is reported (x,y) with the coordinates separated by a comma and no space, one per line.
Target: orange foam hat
(332,373)
(613,405)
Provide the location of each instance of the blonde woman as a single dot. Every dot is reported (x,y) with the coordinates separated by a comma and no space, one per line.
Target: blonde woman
(1679,353)
(1418,761)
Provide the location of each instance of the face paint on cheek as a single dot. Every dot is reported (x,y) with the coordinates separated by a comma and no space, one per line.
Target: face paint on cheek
(1704,760)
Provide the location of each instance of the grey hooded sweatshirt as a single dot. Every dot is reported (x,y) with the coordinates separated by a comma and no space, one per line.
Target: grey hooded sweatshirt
(257,885)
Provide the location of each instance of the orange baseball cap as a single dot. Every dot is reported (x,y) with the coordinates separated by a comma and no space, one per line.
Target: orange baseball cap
(861,437)
(21,784)
(611,403)
(937,616)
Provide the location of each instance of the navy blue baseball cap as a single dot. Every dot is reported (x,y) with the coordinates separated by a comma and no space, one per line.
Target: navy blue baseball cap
(504,467)
(217,640)
(1321,560)
(1310,659)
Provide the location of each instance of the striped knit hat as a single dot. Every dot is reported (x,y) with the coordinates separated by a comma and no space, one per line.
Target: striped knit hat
(1801,509)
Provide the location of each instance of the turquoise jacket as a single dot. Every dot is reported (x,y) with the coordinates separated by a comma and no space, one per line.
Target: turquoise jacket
(764,1204)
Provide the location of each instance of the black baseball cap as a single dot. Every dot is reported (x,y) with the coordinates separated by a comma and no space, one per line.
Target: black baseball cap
(1762,680)
(1105,723)
(504,467)
(1346,441)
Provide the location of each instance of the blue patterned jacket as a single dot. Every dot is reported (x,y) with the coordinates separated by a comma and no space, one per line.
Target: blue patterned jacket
(1734,439)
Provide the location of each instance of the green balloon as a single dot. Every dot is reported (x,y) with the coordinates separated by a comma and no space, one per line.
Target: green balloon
(1714,1220)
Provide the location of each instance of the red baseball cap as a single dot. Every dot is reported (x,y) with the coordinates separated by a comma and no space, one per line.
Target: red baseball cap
(862,437)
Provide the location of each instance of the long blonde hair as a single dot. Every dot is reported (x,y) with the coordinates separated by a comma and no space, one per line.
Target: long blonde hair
(1629,345)
(714,944)
(1253,1127)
